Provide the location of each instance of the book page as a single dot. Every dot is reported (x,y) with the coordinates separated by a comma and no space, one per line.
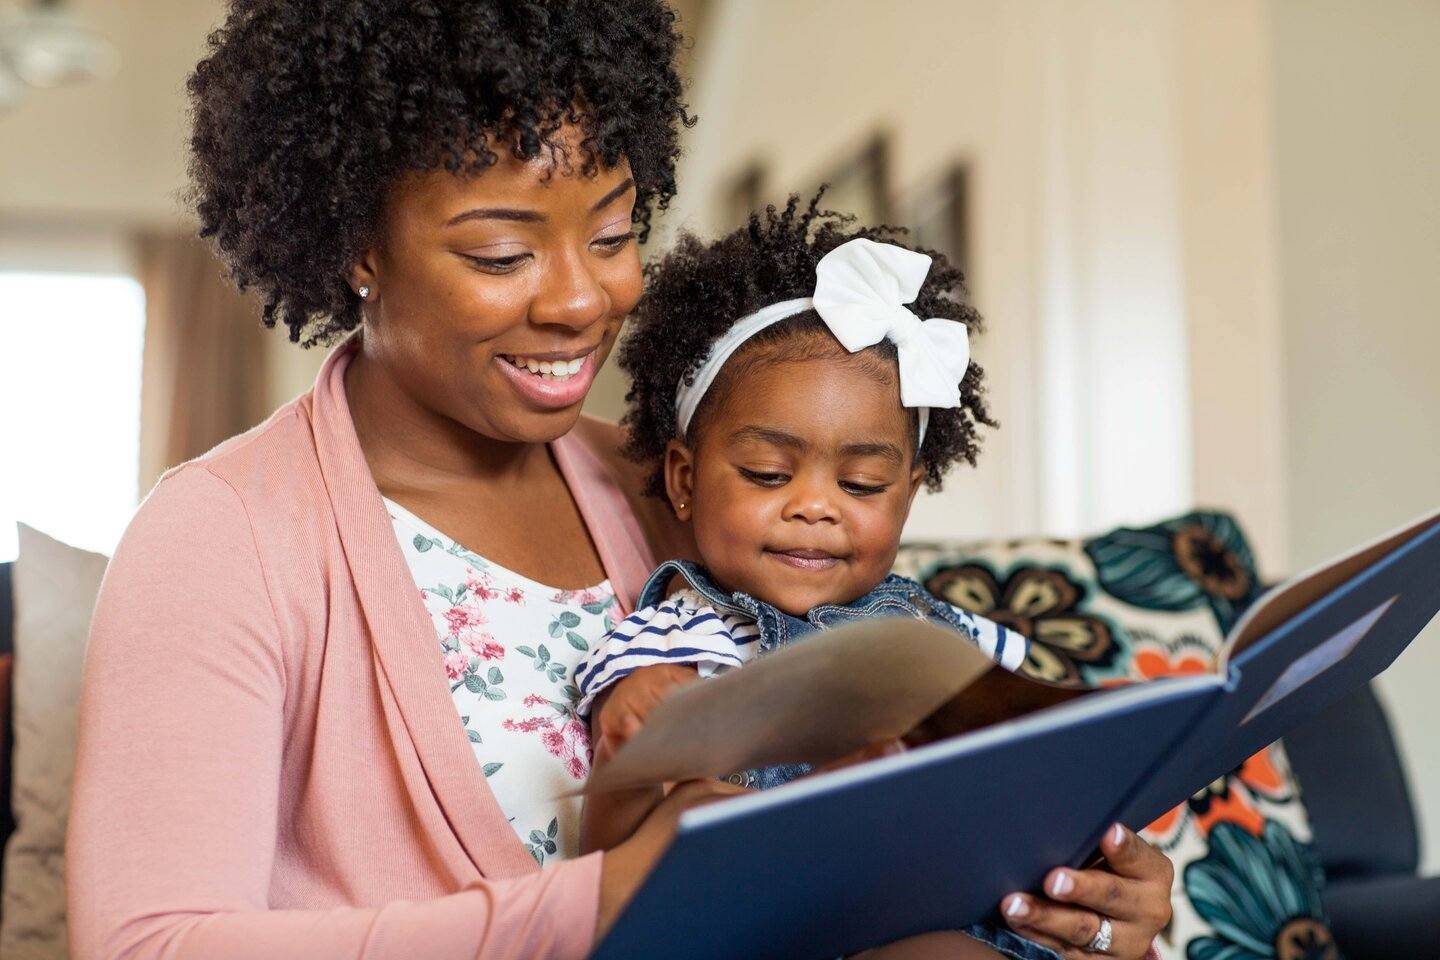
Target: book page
(1271,611)
(819,700)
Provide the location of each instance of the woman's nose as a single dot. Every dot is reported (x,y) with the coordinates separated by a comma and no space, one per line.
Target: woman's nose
(570,295)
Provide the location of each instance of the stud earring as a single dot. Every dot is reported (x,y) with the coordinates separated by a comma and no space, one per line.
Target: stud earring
(682,505)
(364,293)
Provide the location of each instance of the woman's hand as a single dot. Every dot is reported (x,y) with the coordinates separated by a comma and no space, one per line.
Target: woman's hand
(1133,893)
(626,866)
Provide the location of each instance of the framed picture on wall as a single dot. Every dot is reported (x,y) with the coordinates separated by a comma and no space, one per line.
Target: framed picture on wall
(745,193)
(937,213)
(860,183)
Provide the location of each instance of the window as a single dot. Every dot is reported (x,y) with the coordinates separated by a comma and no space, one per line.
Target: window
(70,360)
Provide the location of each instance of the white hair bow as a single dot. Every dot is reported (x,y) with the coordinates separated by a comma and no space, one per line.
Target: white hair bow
(861,289)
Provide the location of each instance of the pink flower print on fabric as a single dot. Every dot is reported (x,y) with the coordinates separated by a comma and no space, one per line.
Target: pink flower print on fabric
(563,736)
(484,646)
(525,726)
(462,619)
(481,585)
(580,597)
(455,664)
(514,595)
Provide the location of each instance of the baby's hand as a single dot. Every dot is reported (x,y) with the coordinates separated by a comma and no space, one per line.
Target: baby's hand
(625,706)
(608,819)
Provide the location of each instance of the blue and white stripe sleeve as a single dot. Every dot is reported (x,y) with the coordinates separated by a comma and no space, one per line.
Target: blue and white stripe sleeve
(1001,644)
(682,630)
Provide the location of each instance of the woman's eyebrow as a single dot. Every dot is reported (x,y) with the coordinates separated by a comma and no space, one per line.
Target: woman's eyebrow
(613,195)
(515,215)
(498,213)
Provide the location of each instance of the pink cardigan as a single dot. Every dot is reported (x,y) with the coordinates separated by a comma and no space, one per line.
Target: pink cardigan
(270,764)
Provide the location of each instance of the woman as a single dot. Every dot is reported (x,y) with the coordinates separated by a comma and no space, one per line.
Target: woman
(305,733)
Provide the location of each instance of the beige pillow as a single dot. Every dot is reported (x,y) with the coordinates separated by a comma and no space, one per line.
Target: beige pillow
(55,586)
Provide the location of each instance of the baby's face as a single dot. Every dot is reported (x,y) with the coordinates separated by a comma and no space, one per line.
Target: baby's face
(800,482)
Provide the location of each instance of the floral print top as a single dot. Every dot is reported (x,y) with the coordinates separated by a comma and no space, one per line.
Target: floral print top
(510,647)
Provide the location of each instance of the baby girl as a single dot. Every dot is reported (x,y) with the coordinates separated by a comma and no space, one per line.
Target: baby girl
(792,402)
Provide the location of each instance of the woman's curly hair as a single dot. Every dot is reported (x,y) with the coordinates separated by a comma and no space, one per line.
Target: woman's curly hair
(697,292)
(306,111)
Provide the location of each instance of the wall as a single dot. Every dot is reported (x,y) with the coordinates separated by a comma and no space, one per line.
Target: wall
(1358,168)
(1234,337)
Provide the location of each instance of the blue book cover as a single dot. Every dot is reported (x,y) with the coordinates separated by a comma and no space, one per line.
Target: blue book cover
(932,838)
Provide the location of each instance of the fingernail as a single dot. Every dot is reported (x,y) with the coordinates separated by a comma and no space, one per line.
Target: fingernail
(1117,834)
(1017,907)
(1062,884)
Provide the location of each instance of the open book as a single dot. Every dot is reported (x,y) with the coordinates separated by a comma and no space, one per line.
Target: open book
(1008,777)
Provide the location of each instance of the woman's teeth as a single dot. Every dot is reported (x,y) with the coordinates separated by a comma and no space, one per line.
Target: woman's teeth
(550,369)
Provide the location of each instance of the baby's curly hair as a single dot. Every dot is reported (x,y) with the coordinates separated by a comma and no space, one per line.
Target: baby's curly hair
(306,111)
(697,292)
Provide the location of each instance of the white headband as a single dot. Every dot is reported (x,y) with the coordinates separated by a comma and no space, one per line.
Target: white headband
(861,288)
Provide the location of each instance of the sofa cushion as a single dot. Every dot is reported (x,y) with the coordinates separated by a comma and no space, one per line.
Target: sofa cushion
(1136,604)
(55,587)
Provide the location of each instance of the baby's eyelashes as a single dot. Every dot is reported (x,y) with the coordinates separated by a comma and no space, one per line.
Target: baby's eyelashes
(765,478)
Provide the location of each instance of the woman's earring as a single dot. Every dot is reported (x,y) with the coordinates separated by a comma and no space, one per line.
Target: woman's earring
(681,506)
(364,293)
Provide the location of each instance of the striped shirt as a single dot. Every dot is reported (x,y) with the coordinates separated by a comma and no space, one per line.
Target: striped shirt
(685,629)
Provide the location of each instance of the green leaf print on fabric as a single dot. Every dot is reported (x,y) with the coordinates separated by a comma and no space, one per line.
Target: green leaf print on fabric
(424,544)
(565,623)
(491,769)
(477,684)
(543,662)
(542,845)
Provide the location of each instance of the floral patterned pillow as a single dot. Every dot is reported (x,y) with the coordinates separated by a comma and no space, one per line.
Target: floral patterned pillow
(1136,604)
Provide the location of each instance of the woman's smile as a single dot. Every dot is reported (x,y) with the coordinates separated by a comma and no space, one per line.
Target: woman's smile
(552,381)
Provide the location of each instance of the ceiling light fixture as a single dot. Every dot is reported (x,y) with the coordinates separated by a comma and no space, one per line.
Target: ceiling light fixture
(46,46)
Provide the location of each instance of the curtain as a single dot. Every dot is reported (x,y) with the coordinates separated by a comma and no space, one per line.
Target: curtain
(204,377)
